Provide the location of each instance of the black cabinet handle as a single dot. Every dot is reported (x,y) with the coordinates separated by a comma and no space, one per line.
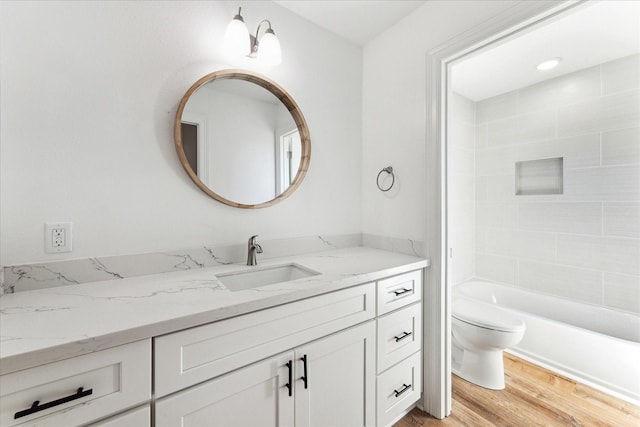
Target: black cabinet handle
(403,336)
(401,291)
(290,383)
(37,407)
(404,388)
(305,377)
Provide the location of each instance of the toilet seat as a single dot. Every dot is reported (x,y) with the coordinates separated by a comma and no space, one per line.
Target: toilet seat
(486,316)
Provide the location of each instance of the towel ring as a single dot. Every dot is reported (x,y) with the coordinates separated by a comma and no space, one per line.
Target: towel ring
(388,170)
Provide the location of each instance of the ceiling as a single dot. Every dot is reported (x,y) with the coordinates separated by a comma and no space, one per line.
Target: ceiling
(593,34)
(358,21)
(596,32)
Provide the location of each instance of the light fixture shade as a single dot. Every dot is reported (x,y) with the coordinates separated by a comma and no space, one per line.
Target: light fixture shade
(237,42)
(269,52)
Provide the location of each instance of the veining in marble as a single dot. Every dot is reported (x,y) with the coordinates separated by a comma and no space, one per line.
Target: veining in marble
(61,273)
(46,325)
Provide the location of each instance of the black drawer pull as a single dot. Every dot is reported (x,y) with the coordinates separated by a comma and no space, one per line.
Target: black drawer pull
(290,383)
(403,336)
(401,291)
(404,389)
(37,407)
(305,377)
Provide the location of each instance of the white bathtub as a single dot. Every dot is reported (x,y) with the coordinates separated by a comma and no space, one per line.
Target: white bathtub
(591,344)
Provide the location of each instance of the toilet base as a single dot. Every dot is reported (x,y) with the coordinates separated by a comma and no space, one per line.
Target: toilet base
(483,368)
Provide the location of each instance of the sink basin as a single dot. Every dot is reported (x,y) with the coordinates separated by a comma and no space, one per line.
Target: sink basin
(254,278)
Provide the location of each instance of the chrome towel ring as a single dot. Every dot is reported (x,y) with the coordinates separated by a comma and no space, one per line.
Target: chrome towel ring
(388,170)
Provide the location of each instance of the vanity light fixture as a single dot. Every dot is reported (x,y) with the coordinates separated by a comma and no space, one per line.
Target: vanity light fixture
(549,64)
(238,42)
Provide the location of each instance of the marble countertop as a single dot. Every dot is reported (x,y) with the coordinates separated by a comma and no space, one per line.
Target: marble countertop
(43,326)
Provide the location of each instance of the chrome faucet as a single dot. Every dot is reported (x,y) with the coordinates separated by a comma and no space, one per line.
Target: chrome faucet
(253,249)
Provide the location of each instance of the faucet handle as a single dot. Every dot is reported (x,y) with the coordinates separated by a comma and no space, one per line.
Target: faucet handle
(258,248)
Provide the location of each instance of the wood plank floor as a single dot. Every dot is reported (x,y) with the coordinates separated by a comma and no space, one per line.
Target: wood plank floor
(533,397)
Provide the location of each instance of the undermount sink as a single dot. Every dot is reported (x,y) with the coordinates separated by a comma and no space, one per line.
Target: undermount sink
(254,278)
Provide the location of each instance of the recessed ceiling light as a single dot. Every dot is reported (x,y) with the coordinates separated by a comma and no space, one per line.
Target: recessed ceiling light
(549,64)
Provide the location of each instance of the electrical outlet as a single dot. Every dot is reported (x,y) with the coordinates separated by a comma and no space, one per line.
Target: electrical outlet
(57,237)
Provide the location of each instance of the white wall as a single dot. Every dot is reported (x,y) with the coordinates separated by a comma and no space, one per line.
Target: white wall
(89,96)
(394,111)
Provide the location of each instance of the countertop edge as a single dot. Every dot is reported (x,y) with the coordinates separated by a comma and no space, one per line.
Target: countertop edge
(29,359)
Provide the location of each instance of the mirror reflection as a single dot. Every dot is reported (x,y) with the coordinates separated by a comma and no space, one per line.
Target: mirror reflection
(239,141)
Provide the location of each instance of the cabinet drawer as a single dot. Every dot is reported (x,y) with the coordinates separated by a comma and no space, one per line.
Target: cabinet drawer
(111,380)
(399,335)
(140,417)
(398,389)
(398,291)
(195,355)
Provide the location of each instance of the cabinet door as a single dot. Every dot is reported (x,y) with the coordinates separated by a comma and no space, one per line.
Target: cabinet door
(340,379)
(256,395)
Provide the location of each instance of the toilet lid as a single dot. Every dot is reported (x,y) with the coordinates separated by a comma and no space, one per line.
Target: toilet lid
(486,316)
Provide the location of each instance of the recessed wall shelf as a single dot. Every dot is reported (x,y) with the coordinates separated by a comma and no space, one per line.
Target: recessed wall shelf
(539,177)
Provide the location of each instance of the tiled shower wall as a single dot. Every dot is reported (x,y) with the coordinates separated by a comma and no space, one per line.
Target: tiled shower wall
(583,244)
(461,188)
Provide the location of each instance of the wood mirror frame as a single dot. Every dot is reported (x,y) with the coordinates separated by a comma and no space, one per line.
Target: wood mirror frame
(286,100)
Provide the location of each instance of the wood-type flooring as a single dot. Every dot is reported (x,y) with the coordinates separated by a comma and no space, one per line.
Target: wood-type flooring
(533,396)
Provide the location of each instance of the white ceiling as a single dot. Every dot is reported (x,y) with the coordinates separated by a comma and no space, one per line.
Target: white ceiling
(358,21)
(593,34)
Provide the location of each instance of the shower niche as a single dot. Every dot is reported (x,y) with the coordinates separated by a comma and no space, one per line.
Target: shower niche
(539,177)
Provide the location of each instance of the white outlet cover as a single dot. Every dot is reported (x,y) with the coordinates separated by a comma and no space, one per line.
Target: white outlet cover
(49,229)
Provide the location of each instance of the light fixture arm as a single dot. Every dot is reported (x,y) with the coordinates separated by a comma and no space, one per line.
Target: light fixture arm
(254,39)
(239,15)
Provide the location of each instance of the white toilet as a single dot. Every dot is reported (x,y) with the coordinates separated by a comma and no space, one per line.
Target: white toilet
(481,332)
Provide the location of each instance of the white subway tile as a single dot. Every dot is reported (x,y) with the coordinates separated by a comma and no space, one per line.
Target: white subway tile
(461,161)
(611,112)
(481,239)
(615,255)
(622,219)
(621,147)
(461,187)
(497,268)
(498,107)
(563,90)
(461,218)
(497,214)
(563,217)
(521,129)
(621,74)
(462,266)
(481,136)
(568,282)
(521,244)
(622,292)
(462,135)
(463,108)
(481,188)
(577,152)
(619,183)
(501,188)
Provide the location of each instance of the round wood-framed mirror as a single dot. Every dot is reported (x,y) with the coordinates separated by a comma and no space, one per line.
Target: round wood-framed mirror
(242,139)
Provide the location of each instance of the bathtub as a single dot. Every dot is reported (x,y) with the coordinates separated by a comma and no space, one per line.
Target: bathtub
(590,344)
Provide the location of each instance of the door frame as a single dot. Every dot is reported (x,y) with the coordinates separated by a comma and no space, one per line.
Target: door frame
(523,16)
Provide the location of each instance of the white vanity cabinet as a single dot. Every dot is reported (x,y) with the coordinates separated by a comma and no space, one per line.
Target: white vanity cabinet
(328,365)
(79,390)
(399,345)
(350,356)
(327,382)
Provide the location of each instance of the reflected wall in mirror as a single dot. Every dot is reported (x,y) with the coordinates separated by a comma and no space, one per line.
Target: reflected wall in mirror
(242,139)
